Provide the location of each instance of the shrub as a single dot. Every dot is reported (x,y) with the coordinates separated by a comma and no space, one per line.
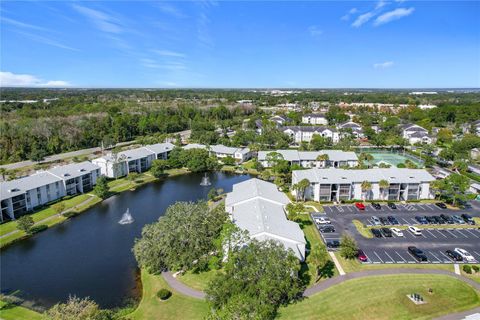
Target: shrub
(164,294)
(475,268)
(69,214)
(467,269)
(39,228)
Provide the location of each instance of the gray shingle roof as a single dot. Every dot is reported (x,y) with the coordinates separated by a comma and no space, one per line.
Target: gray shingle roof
(16,187)
(219,148)
(160,147)
(318,129)
(294,155)
(315,115)
(253,188)
(194,146)
(135,154)
(73,170)
(335,176)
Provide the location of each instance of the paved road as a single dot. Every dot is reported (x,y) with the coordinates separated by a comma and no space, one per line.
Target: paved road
(180,287)
(17,165)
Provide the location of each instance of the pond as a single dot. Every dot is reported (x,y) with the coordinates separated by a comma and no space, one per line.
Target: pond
(91,254)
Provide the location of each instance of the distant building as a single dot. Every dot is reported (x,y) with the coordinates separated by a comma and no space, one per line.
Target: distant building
(280,120)
(416,134)
(305,133)
(426,106)
(28,193)
(221,151)
(315,118)
(258,207)
(341,185)
(475,188)
(308,159)
(475,153)
(357,130)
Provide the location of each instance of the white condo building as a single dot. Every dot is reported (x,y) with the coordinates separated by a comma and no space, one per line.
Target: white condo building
(416,134)
(305,133)
(221,151)
(25,194)
(340,184)
(315,118)
(258,207)
(308,159)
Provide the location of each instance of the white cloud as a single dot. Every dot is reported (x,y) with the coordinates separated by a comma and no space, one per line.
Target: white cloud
(393,15)
(380,4)
(47,41)
(347,16)
(101,20)
(383,65)
(9,79)
(22,24)
(362,19)
(168,53)
(170,10)
(315,31)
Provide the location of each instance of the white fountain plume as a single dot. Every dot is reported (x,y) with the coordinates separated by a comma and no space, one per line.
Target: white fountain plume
(126,218)
(205,181)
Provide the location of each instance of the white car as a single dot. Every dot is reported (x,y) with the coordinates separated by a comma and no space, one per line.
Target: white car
(322,220)
(415,231)
(465,255)
(397,232)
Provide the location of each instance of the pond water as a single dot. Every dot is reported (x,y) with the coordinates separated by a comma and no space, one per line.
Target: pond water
(91,254)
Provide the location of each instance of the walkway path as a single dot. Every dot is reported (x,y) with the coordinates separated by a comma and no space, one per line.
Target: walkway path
(337,264)
(182,288)
(473,313)
(54,216)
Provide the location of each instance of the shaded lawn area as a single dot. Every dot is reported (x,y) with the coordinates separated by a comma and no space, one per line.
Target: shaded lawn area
(355,265)
(13,312)
(177,306)
(198,280)
(307,271)
(385,297)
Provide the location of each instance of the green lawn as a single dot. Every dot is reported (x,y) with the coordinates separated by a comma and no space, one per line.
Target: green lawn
(474,276)
(13,312)
(199,280)
(384,297)
(355,265)
(176,307)
(362,229)
(315,204)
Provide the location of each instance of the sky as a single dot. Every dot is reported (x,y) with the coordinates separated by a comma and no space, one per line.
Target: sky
(248,44)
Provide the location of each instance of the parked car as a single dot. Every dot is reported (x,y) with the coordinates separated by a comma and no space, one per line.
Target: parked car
(362,256)
(384,221)
(465,254)
(377,206)
(415,231)
(393,220)
(417,253)
(326,228)
(431,220)
(376,233)
(333,244)
(376,221)
(421,220)
(322,220)
(458,219)
(447,219)
(468,219)
(455,256)
(392,205)
(397,232)
(441,205)
(438,220)
(360,206)
(387,233)
(464,204)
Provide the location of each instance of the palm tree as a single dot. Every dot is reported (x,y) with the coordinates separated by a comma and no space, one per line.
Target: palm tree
(295,188)
(436,186)
(302,186)
(324,158)
(383,184)
(366,187)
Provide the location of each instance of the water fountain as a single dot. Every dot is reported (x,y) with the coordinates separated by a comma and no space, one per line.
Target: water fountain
(205,181)
(126,218)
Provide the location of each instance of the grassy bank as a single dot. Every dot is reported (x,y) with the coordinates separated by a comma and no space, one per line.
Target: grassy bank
(177,306)
(371,298)
(13,312)
(354,265)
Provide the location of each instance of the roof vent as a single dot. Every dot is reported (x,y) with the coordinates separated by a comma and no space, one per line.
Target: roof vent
(13,190)
(344,178)
(82,170)
(393,178)
(66,174)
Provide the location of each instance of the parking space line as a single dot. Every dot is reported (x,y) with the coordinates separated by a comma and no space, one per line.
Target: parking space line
(405,221)
(430,207)
(419,205)
(431,233)
(398,254)
(414,259)
(472,233)
(349,208)
(378,256)
(460,231)
(450,232)
(448,258)
(389,256)
(440,232)
(435,256)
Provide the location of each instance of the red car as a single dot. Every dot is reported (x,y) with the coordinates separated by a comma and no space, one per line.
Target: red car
(362,256)
(360,206)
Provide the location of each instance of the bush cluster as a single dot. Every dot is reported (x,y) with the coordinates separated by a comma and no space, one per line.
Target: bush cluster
(164,294)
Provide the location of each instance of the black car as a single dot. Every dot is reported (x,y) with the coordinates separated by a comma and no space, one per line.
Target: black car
(447,219)
(387,233)
(377,206)
(393,220)
(326,229)
(441,205)
(417,253)
(384,221)
(455,256)
(468,218)
(464,204)
(439,220)
(376,233)
(333,244)
(392,205)
(430,220)
(421,220)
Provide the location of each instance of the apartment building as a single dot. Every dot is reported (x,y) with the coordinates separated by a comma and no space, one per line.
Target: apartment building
(315,118)
(221,151)
(310,159)
(340,184)
(305,133)
(355,128)
(416,134)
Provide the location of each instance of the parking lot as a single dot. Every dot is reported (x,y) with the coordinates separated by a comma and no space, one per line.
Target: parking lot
(433,241)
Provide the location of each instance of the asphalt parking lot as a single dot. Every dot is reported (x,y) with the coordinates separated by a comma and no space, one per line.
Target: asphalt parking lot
(434,241)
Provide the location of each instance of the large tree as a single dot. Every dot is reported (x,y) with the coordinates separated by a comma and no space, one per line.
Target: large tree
(182,239)
(101,189)
(257,279)
(77,309)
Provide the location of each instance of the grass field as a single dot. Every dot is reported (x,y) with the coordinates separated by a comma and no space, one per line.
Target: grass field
(198,281)
(362,229)
(355,265)
(13,312)
(385,297)
(177,306)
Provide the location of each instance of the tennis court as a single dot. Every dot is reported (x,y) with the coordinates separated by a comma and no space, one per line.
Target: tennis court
(392,158)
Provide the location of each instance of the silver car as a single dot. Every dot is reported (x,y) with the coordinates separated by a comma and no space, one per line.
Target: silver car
(376,221)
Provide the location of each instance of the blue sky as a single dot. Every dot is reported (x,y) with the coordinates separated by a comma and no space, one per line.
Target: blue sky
(324,44)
